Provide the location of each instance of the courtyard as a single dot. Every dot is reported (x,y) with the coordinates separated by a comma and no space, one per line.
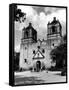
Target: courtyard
(28,77)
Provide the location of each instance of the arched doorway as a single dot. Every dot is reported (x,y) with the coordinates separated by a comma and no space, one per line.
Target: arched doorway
(38,66)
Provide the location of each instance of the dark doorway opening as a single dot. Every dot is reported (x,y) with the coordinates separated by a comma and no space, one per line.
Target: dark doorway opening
(38,66)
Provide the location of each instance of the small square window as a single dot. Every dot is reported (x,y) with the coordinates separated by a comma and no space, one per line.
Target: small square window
(43,51)
(38,47)
(53,44)
(25,60)
(25,48)
(33,51)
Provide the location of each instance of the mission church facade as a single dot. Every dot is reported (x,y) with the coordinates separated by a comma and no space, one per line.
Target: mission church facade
(36,53)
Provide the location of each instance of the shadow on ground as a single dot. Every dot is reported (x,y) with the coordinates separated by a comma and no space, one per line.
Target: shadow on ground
(28,80)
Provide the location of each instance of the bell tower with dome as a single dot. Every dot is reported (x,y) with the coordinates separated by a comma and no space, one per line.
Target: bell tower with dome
(54,32)
(29,35)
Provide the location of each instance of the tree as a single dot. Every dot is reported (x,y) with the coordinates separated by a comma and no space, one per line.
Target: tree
(19,15)
(59,54)
(16,61)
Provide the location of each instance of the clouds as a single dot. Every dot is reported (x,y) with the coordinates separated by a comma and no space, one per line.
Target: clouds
(49,10)
(28,10)
(39,16)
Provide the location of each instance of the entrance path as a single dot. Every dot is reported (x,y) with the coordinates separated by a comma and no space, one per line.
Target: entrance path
(28,77)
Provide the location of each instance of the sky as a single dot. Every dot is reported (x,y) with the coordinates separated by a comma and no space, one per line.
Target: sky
(39,17)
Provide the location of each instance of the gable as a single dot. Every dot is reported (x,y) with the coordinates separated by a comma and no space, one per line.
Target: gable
(38,55)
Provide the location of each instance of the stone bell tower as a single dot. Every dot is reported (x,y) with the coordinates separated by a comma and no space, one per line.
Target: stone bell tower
(54,32)
(29,37)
